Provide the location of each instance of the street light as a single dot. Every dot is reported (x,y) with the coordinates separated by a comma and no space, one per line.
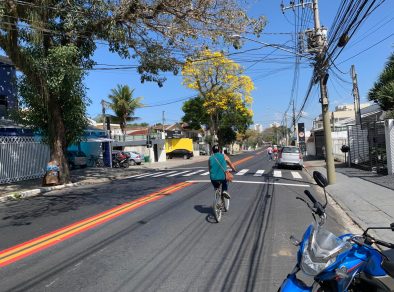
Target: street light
(237,38)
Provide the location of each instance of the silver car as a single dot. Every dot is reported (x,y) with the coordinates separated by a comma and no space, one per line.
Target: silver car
(134,157)
(290,156)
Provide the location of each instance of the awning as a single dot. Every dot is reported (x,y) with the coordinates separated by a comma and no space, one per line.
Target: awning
(98,140)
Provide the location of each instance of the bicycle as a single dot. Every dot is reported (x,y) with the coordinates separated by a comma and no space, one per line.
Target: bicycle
(220,204)
(95,161)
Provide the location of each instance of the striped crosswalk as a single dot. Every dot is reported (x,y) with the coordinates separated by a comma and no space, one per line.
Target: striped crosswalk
(242,172)
(260,172)
(284,174)
(194,172)
(277,173)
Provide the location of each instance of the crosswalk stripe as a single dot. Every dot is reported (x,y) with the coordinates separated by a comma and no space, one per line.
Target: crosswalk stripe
(260,172)
(194,172)
(205,173)
(242,172)
(177,173)
(277,173)
(164,173)
(149,174)
(296,174)
(141,175)
(132,176)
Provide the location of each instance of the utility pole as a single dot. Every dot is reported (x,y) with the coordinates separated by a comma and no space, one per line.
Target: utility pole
(287,134)
(323,77)
(356,96)
(103,112)
(317,44)
(164,120)
(294,125)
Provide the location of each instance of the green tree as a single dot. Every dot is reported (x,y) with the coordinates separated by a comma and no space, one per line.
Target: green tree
(195,114)
(253,138)
(52,44)
(124,105)
(274,134)
(226,136)
(383,90)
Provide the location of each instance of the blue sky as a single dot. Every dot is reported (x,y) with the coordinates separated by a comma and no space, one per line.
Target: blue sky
(273,80)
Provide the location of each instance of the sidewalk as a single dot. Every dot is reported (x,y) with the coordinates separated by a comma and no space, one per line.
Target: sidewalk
(88,176)
(368,198)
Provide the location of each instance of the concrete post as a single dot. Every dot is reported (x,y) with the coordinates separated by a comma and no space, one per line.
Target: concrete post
(389,134)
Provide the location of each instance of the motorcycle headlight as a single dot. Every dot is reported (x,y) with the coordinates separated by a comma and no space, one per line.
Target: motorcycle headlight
(311,266)
(321,250)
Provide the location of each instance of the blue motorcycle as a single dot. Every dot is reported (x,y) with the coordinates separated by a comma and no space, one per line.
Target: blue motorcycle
(344,263)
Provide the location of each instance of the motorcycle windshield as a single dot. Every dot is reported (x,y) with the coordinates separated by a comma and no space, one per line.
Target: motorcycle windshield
(321,251)
(324,244)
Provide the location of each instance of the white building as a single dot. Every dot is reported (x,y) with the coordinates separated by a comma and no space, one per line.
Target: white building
(274,124)
(258,127)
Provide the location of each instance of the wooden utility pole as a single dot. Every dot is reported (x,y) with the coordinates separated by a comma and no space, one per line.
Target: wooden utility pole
(317,41)
(323,77)
(356,95)
(164,120)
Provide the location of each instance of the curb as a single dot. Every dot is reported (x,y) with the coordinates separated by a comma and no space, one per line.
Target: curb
(338,203)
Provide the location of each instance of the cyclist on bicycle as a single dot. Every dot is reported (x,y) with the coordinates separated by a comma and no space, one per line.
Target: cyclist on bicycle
(217,165)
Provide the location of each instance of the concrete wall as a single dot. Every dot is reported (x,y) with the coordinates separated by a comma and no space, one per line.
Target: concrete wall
(311,148)
(389,133)
(339,139)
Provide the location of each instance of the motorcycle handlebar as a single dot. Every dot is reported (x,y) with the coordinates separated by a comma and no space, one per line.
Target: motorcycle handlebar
(384,243)
(310,196)
(319,208)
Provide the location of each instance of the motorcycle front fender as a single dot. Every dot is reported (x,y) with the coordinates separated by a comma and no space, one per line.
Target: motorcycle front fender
(294,285)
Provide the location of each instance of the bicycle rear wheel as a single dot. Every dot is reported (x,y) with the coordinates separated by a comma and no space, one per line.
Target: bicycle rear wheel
(217,205)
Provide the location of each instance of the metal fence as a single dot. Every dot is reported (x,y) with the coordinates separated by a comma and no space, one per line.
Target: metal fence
(22,158)
(368,146)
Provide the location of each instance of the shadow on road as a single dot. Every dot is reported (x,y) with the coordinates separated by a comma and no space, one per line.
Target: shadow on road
(206,210)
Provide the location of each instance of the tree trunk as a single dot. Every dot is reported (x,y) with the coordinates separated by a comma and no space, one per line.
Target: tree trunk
(57,142)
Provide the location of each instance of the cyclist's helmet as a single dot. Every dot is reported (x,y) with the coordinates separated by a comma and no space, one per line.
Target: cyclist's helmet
(215,148)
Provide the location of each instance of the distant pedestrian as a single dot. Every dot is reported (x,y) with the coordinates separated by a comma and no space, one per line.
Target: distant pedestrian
(275,152)
(269,152)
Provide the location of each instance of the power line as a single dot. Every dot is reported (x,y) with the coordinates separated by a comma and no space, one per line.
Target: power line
(370,47)
(171,102)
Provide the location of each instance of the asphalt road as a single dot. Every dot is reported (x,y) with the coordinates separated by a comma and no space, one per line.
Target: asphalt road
(157,239)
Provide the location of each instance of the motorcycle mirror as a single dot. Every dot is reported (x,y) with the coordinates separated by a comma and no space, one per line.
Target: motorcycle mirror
(320,179)
(392,226)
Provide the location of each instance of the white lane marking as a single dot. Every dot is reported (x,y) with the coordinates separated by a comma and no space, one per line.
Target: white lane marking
(194,172)
(260,172)
(177,173)
(295,174)
(205,173)
(50,284)
(277,173)
(149,174)
(134,175)
(165,173)
(254,182)
(242,172)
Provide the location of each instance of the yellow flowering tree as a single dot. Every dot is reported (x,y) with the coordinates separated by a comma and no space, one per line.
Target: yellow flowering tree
(224,90)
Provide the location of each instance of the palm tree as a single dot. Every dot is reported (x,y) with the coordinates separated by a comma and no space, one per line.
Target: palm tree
(124,105)
(383,89)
